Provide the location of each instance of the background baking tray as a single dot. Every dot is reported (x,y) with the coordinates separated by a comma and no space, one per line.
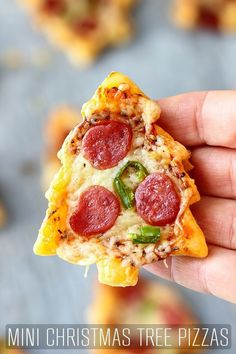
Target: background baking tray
(34,78)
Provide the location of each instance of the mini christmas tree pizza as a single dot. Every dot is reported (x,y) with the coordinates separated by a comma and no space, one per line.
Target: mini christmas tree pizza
(121,198)
(83,28)
(148,302)
(214,14)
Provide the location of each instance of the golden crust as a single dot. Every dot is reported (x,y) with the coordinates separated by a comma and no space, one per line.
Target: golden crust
(190,240)
(111,272)
(81,50)
(48,239)
(193,244)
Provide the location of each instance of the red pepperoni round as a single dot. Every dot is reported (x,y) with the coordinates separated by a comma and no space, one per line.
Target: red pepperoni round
(97,211)
(157,201)
(53,6)
(104,145)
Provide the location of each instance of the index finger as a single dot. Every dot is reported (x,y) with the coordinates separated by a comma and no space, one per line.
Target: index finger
(201,118)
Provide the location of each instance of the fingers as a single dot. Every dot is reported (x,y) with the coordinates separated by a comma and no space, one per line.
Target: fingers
(215,171)
(217,219)
(214,275)
(201,118)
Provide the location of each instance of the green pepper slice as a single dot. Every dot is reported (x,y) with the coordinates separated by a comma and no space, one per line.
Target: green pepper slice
(148,234)
(125,193)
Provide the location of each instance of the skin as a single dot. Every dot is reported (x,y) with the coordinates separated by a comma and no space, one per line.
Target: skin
(205,122)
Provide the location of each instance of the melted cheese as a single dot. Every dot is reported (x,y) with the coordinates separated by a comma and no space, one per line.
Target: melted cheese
(85,175)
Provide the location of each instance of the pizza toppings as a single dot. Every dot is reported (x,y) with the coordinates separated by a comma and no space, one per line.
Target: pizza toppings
(86,26)
(104,145)
(53,6)
(208,18)
(157,201)
(124,190)
(97,211)
(148,234)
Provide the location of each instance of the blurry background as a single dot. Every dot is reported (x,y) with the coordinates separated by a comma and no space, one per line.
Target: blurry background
(34,78)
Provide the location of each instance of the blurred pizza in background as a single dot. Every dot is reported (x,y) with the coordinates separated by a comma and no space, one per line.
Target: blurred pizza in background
(147,303)
(83,28)
(3,216)
(58,125)
(214,14)
(4,350)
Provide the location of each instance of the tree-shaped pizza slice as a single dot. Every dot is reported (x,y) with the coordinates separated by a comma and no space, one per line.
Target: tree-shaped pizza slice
(121,198)
(83,28)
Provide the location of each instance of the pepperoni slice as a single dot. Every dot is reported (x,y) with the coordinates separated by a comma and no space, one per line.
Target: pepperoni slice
(97,211)
(104,145)
(157,201)
(53,6)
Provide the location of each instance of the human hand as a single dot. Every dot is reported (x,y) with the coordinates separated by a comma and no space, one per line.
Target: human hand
(205,122)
